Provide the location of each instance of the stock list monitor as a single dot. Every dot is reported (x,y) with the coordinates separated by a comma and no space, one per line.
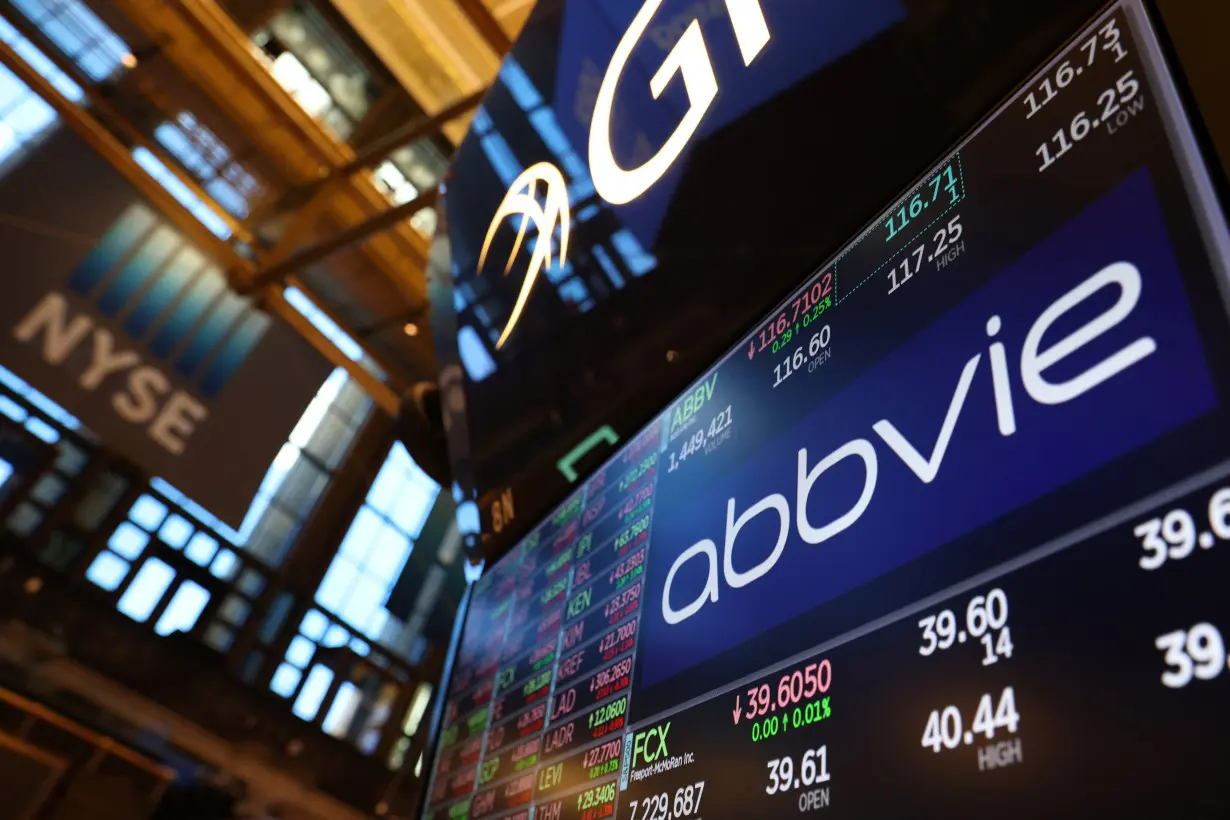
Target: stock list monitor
(947,534)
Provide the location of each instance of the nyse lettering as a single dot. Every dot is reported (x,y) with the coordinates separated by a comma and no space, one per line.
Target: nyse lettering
(147,398)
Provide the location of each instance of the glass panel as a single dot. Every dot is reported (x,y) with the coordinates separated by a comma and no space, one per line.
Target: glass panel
(234,610)
(219,637)
(411,512)
(25,519)
(418,707)
(364,533)
(302,486)
(251,583)
(300,652)
(176,532)
(336,586)
(272,537)
(387,488)
(42,430)
(313,692)
(49,489)
(184,610)
(314,625)
(9,407)
(385,562)
(331,440)
(275,616)
(285,680)
(225,566)
(146,590)
(99,501)
(366,598)
(128,540)
(108,571)
(342,712)
(148,512)
(201,550)
(376,625)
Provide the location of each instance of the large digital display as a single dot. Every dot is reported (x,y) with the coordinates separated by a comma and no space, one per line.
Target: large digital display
(945,534)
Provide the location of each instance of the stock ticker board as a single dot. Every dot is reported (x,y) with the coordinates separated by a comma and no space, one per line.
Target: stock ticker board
(946,533)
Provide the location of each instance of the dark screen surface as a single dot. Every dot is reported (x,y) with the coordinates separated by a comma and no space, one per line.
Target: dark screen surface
(848,102)
(945,534)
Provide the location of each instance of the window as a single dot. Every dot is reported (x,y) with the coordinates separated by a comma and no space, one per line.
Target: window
(367,565)
(24,116)
(408,172)
(80,35)
(317,68)
(376,547)
(204,156)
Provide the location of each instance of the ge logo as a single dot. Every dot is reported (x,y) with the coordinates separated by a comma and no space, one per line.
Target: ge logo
(690,59)
(522,200)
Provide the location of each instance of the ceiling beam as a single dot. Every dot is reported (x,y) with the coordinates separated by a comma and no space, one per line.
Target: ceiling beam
(488,26)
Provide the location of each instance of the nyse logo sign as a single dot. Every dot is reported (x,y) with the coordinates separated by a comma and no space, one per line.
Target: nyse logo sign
(690,60)
(1082,351)
(522,200)
(160,291)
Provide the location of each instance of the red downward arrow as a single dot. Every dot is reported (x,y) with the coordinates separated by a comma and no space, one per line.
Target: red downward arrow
(738,708)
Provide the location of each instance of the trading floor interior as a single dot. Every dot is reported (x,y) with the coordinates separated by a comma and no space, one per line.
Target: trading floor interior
(160,657)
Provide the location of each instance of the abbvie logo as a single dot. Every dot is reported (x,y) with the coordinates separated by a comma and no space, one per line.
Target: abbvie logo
(1037,358)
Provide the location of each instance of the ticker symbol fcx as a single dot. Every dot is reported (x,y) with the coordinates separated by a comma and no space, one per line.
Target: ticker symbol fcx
(522,200)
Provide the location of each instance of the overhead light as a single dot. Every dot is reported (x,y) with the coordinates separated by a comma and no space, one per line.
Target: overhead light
(128,61)
(411,329)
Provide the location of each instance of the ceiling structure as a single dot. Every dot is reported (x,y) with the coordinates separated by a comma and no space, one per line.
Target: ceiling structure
(344,114)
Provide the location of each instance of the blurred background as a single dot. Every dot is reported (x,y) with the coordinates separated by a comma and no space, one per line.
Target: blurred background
(176,641)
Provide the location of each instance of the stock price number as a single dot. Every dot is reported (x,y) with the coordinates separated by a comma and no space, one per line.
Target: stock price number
(813,771)
(595,797)
(1173,536)
(986,619)
(816,354)
(662,807)
(945,728)
(1111,111)
(1198,653)
(929,193)
(793,688)
(804,310)
(1105,39)
(945,249)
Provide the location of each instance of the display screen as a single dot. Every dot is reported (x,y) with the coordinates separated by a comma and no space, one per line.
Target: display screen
(945,534)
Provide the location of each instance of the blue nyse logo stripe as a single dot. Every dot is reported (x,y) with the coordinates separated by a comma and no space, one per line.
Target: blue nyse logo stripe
(159,284)
(117,242)
(237,347)
(166,288)
(185,315)
(220,320)
(150,256)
